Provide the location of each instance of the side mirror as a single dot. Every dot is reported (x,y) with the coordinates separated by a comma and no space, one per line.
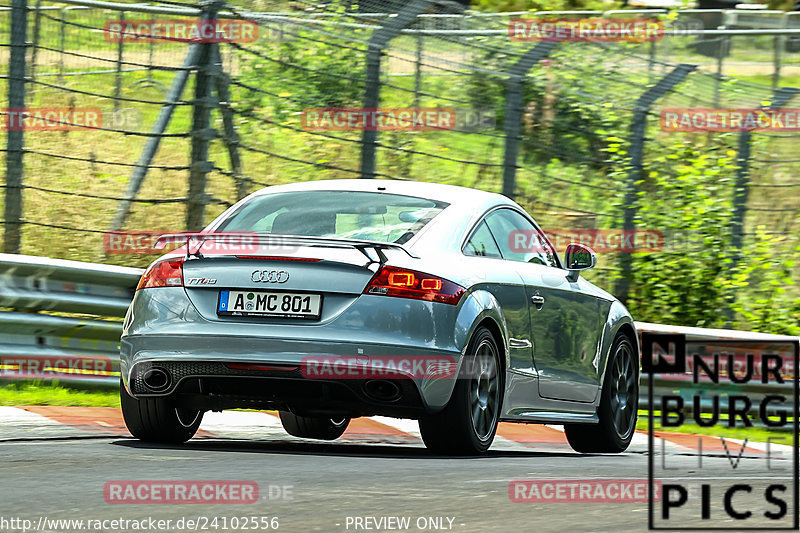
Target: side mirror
(578,257)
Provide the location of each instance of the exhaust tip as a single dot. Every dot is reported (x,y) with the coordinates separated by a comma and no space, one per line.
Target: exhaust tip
(157,380)
(382,390)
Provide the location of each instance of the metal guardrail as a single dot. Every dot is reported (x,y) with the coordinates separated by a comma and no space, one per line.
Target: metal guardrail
(62,321)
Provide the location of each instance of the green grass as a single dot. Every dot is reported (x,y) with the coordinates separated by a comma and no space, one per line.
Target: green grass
(753,434)
(766,79)
(29,393)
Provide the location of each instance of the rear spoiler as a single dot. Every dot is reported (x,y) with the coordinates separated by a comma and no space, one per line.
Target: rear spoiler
(189,238)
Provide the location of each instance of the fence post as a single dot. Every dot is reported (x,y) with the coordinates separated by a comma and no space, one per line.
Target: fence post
(742,187)
(778,43)
(230,137)
(418,71)
(380,38)
(202,133)
(651,60)
(513,117)
(62,37)
(776,74)
(118,76)
(150,80)
(37,21)
(722,45)
(150,149)
(15,139)
(638,131)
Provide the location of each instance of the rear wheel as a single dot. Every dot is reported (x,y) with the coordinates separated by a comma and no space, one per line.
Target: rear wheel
(313,427)
(158,419)
(619,403)
(468,424)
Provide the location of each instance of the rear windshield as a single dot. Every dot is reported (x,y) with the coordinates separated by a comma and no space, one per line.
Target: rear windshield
(341,214)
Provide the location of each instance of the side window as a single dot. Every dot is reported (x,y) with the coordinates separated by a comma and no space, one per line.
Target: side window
(482,243)
(518,239)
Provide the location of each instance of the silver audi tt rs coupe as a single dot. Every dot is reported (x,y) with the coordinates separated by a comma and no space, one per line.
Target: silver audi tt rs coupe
(329,300)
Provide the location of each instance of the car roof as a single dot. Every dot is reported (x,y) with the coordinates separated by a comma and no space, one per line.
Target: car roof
(451,194)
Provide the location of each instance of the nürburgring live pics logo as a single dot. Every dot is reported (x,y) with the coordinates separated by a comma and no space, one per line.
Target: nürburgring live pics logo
(732,384)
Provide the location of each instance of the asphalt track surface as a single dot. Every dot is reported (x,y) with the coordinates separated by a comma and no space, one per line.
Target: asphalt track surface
(332,484)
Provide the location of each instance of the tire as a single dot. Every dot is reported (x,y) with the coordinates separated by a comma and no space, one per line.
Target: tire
(467,425)
(157,419)
(619,404)
(313,427)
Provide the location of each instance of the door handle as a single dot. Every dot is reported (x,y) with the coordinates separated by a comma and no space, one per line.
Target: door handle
(537,300)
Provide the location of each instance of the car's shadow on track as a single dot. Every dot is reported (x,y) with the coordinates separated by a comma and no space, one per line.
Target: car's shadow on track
(293,447)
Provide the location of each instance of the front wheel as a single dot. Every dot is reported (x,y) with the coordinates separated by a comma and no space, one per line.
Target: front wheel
(157,419)
(619,403)
(313,427)
(467,425)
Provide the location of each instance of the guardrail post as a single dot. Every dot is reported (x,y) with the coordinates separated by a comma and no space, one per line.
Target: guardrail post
(380,38)
(638,130)
(513,116)
(202,133)
(15,138)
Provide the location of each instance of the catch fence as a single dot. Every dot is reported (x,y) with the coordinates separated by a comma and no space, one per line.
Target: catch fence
(571,130)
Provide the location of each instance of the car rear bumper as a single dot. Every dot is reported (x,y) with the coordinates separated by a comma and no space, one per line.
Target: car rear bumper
(163,327)
(234,371)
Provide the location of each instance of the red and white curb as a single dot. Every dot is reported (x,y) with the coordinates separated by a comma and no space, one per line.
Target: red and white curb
(51,422)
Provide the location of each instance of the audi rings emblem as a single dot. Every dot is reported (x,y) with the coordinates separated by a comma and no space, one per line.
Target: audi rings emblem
(270,276)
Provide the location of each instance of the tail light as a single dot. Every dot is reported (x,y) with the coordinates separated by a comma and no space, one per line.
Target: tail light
(403,283)
(165,273)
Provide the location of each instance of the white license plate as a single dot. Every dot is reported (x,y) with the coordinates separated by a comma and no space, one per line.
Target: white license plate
(277,304)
